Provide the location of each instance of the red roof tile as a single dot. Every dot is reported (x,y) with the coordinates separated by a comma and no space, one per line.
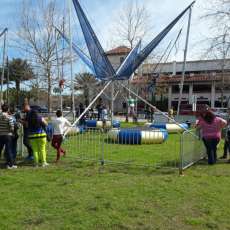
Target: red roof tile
(176,79)
(119,50)
(189,78)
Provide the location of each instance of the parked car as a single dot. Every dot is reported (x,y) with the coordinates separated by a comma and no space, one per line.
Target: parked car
(40,109)
(221,112)
(186,109)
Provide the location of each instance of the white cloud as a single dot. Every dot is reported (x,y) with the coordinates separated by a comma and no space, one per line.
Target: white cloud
(102,15)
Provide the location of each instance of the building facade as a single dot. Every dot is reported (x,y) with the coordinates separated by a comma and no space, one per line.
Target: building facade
(208,81)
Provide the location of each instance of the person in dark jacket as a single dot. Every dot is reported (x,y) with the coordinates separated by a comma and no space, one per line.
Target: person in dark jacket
(26,142)
(99,108)
(6,134)
(15,136)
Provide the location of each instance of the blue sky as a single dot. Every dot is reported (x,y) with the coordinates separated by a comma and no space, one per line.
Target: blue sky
(103,13)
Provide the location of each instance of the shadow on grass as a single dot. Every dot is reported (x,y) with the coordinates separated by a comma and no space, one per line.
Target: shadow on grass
(204,162)
(109,167)
(100,167)
(20,162)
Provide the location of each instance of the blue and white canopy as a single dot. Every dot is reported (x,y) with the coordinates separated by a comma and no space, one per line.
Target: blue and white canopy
(100,63)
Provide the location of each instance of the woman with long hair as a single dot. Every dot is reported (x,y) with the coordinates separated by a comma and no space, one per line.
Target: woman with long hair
(210,126)
(37,137)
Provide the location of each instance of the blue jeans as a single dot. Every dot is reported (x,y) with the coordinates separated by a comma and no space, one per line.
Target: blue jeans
(211,146)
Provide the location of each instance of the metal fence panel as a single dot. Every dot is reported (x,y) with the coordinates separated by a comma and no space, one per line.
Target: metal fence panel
(20,146)
(99,145)
(192,149)
(150,150)
(146,153)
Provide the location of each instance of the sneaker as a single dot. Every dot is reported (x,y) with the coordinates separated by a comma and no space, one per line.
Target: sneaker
(30,158)
(223,157)
(11,167)
(45,164)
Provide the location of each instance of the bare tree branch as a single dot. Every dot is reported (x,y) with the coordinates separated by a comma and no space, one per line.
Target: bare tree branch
(132,24)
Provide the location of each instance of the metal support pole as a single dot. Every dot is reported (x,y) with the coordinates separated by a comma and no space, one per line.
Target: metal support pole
(112,102)
(3,67)
(89,106)
(127,115)
(58,70)
(8,80)
(184,63)
(181,154)
(71,59)
(62,60)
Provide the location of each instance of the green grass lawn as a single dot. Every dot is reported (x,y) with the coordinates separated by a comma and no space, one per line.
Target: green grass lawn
(85,195)
(96,146)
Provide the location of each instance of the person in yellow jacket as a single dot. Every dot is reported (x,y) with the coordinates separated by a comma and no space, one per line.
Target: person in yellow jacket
(37,137)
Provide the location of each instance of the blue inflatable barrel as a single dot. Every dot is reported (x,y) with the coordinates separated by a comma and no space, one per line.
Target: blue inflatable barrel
(132,137)
(91,123)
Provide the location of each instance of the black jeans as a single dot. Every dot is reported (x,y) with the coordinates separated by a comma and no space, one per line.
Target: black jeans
(6,140)
(27,144)
(1,148)
(99,112)
(226,148)
(14,147)
(211,146)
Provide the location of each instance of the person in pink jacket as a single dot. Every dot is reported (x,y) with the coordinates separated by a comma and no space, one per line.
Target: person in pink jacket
(210,127)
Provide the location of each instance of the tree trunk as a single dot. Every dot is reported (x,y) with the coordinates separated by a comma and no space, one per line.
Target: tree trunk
(86,96)
(49,89)
(17,86)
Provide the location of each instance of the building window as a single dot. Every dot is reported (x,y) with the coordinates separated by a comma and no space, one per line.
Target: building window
(201,88)
(176,89)
(121,59)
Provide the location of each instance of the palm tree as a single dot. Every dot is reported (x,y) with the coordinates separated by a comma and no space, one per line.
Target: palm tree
(86,83)
(19,70)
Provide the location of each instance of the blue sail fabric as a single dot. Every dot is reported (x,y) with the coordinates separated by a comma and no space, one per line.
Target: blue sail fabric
(84,58)
(6,29)
(103,67)
(123,71)
(79,52)
(151,46)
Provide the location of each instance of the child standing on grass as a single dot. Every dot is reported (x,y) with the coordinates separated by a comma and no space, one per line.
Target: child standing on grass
(60,125)
(226,141)
(104,116)
(37,137)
